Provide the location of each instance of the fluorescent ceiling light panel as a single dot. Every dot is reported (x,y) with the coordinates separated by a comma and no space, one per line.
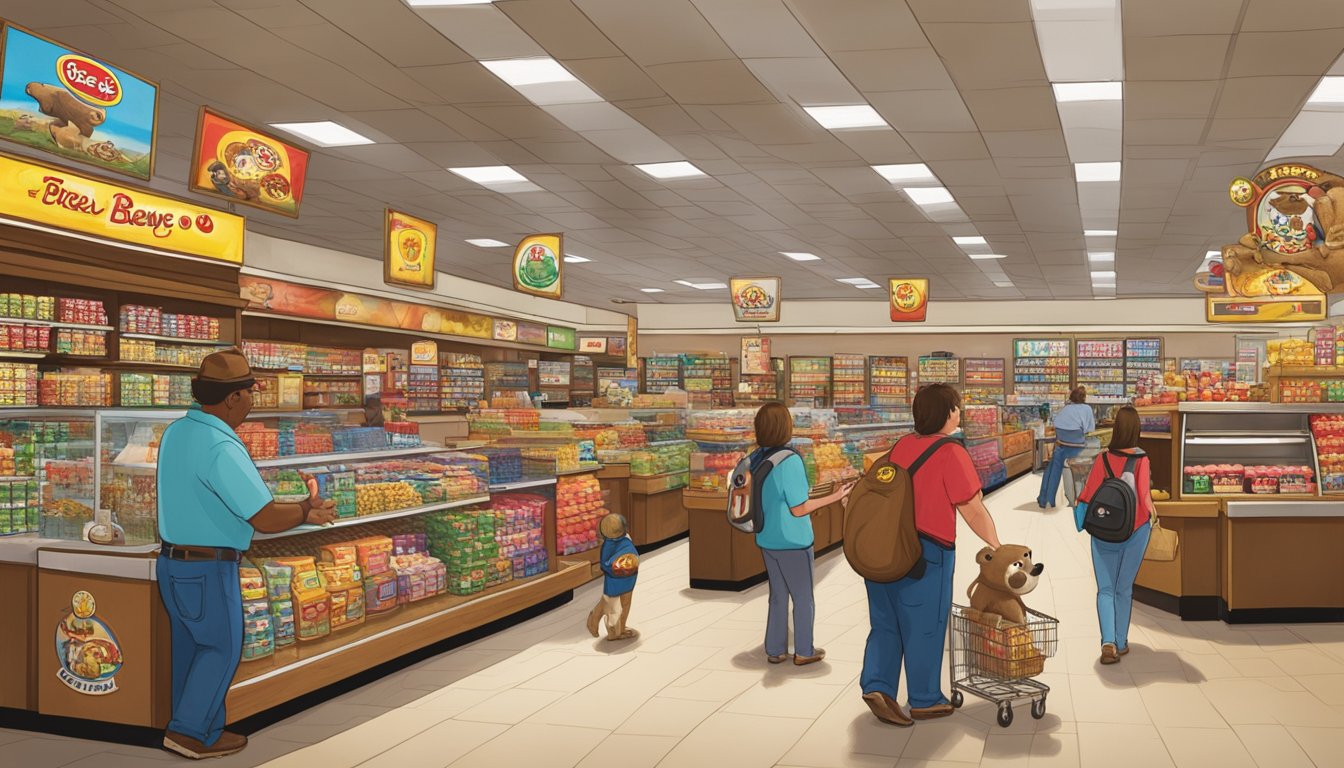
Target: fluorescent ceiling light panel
(701,286)
(977,240)
(1097,171)
(1003,283)
(928,195)
(906,173)
(572,259)
(1329,91)
(445,3)
(1103,275)
(1100,233)
(1089,91)
(848,116)
(324,133)
(651,290)
(858,282)
(1102,298)
(518,72)
(487,175)
(677,170)
(800,256)
(486,242)
(986,256)
(1101,256)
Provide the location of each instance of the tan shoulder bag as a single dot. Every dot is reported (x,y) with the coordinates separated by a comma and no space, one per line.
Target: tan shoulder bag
(1162,543)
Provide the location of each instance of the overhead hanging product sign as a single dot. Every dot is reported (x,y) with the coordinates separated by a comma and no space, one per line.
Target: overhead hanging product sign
(408,250)
(532,333)
(539,266)
(616,346)
(245,165)
(909,299)
(45,194)
(506,330)
(560,338)
(593,346)
(284,298)
(1292,254)
(755,359)
(755,299)
(425,353)
(58,100)
(631,345)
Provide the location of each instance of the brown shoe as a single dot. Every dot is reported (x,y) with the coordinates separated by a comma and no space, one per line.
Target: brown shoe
(777,659)
(1109,655)
(886,709)
(931,713)
(227,744)
(1124,651)
(817,655)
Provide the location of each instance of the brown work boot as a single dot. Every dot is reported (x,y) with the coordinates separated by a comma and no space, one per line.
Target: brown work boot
(817,655)
(886,709)
(931,713)
(1109,655)
(227,744)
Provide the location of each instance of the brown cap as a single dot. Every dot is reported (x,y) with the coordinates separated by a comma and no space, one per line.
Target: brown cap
(227,367)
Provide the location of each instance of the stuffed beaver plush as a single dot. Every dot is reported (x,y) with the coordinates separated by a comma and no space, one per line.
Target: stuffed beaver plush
(1006,574)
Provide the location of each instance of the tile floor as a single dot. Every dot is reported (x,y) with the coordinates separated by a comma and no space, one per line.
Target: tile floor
(695,689)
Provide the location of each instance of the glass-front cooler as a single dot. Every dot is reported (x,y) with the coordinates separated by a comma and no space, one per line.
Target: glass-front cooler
(47,472)
(1258,450)
(721,439)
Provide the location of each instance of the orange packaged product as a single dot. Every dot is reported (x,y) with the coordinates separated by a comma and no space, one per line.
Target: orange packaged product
(338,554)
(312,614)
(374,554)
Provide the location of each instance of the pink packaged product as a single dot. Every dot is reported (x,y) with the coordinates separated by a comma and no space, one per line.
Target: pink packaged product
(1228,478)
(1296,480)
(380,593)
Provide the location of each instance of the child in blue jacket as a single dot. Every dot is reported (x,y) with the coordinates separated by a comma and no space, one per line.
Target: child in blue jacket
(620,564)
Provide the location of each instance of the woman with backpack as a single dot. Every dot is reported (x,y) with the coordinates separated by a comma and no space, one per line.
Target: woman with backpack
(1116,557)
(786,538)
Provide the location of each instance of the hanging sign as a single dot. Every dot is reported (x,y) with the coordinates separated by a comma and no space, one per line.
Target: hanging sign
(616,346)
(755,359)
(631,347)
(244,165)
(425,353)
(44,194)
(506,330)
(374,362)
(532,333)
(87,649)
(538,266)
(285,298)
(593,346)
(408,250)
(909,299)
(755,299)
(560,338)
(58,100)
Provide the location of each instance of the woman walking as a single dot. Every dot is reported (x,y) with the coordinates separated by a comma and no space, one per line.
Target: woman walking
(1072,424)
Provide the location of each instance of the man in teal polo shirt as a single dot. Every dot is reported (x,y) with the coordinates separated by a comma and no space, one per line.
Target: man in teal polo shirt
(211,499)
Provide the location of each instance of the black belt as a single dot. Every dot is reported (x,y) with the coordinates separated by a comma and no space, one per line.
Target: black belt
(938,544)
(189,554)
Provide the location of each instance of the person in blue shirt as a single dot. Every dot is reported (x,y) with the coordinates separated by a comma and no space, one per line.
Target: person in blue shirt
(210,500)
(620,566)
(1072,424)
(786,541)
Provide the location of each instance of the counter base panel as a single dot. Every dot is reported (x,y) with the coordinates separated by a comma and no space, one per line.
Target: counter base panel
(749,582)
(1279,615)
(656,517)
(646,548)
(1188,607)
(18,679)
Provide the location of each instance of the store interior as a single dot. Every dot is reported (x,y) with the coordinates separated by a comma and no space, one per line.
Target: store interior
(502,268)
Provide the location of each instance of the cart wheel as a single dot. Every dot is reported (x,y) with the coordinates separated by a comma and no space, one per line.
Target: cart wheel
(1005,714)
(1038,708)
(957,700)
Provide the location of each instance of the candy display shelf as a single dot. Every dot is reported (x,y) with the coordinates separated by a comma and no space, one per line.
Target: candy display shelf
(889,380)
(1042,368)
(320,458)
(346,522)
(522,484)
(175,339)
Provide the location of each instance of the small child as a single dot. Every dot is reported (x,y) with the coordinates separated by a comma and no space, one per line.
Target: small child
(620,564)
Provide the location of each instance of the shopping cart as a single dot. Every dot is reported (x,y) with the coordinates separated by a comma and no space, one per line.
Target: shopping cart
(998,663)
(1077,469)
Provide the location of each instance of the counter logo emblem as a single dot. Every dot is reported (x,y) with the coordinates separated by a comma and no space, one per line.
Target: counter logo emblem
(87,649)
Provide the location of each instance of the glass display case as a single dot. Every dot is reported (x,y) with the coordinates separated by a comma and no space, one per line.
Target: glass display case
(721,439)
(1256,450)
(47,471)
(669,457)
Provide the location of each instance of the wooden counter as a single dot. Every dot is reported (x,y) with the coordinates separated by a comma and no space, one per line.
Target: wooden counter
(19,636)
(657,516)
(1187,586)
(724,558)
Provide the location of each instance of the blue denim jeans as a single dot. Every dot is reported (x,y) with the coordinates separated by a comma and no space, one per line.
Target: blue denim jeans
(908,621)
(790,574)
(1116,567)
(205,612)
(1054,472)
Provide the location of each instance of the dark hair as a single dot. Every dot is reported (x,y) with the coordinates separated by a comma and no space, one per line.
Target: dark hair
(933,406)
(774,425)
(1078,395)
(214,392)
(1125,433)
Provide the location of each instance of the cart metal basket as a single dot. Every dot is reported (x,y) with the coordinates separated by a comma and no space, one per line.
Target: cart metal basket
(997,663)
(1077,469)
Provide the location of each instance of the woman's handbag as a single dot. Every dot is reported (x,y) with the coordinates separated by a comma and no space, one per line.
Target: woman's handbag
(1162,542)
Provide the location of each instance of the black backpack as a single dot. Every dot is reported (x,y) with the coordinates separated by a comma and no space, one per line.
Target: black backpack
(1111,512)
(746,513)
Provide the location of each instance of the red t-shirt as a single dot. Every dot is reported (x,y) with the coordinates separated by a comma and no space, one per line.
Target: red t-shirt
(945,481)
(1143,482)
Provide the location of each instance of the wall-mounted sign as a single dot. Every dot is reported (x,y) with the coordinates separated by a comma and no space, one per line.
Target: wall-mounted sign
(425,353)
(755,299)
(909,299)
(244,165)
(408,250)
(506,330)
(58,100)
(532,333)
(631,342)
(87,649)
(755,360)
(560,338)
(1264,309)
(44,194)
(616,346)
(593,346)
(284,298)
(374,362)
(539,266)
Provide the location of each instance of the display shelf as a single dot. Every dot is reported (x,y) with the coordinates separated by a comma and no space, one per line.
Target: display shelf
(1143,358)
(24,355)
(661,373)
(1155,435)
(55,324)
(319,458)
(810,381)
(985,380)
(521,484)
(1100,366)
(1042,368)
(176,340)
(936,369)
(346,522)
(756,388)
(708,379)
(889,380)
(849,380)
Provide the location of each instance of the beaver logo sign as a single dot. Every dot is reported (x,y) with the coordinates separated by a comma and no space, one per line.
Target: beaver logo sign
(86,648)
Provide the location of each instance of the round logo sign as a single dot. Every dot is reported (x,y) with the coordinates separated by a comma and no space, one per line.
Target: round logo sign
(89,81)
(1242,191)
(86,648)
(539,267)
(906,297)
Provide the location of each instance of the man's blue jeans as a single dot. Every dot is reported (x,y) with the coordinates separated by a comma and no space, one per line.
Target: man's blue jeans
(909,623)
(1054,472)
(1116,567)
(205,612)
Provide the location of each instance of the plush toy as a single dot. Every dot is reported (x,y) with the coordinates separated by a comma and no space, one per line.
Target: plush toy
(1006,574)
(620,565)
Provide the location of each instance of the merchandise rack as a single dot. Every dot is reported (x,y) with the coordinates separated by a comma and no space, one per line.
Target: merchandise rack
(810,381)
(1100,366)
(661,373)
(1042,368)
(985,379)
(554,378)
(757,388)
(939,370)
(889,379)
(709,380)
(506,377)
(1143,357)
(849,377)
(462,380)
(583,381)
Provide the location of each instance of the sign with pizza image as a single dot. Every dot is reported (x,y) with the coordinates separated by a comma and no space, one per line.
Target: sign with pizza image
(909,299)
(241,164)
(755,299)
(408,250)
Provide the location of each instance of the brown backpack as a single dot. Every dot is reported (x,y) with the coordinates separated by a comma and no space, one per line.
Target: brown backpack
(881,542)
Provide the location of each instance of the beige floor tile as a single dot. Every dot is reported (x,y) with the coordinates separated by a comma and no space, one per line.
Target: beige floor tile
(511,672)
(1004,751)
(723,739)
(1199,668)
(577,672)
(509,707)
(1306,710)
(1264,667)
(1327,688)
(959,739)
(1285,683)
(628,751)
(1103,745)
(1242,702)
(1055,750)
(710,685)
(667,717)
(1203,747)
(713,637)
(438,746)
(1101,700)
(367,740)
(783,697)
(847,734)
(911,763)
(1321,745)
(1179,705)
(1272,745)
(1306,661)
(609,701)
(534,744)
(451,701)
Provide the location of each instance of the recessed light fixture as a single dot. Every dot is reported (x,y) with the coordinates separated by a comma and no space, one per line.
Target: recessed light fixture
(1089,91)
(928,195)
(572,259)
(488,175)
(800,256)
(677,170)
(1097,171)
(1003,283)
(701,286)
(1106,277)
(486,242)
(1329,91)
(1102,298)
(324,133)
(651,290)
(977,240)
(445,3)
(858,282)
(985,256)
(1101,256)
(847,116)
(1100,233)
(904,174)
(1213,254)
(518,72)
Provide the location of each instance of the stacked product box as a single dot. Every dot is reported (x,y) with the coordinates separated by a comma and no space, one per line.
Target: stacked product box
(81,311)
(75,389)
(18,384)
(81,343)
(20,506)
(505,464)
(1328,431)
(155,389)
(150,351)
(138,318)
(258,626)
(25,338)
(462,380)
(343,579)
(1101,368)
(579,506)
(22,306)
